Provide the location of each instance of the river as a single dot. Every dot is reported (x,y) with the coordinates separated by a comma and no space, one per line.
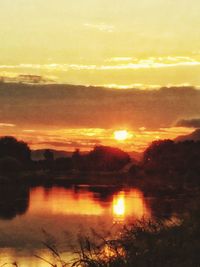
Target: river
(29,217)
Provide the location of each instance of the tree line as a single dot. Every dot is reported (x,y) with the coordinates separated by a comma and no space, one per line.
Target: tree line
(15,156)
(176,160)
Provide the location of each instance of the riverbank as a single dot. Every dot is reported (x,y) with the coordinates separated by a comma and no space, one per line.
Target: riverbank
(144,244)
(171,243)
(150,185)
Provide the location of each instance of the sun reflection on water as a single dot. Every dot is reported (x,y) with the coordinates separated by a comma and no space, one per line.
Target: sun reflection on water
(123,205)
(119,205)
(57,209)
(129,205)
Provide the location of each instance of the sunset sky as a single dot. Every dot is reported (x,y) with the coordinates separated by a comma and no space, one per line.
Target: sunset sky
(114,43)
(117,44)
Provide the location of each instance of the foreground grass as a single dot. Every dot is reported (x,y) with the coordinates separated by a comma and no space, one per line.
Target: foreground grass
(142,244)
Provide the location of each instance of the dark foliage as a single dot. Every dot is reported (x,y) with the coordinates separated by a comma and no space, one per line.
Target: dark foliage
(15,156)
(63,164)
(48,155)
(180,160)
(9,165)
(14,200)
(101,158)
(11,147)
(141,244)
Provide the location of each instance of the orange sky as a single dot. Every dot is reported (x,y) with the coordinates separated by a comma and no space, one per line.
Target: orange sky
(86,139)
(145,44)
(70,117)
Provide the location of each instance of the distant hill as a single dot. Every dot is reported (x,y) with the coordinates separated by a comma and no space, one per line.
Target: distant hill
(195,136)
(39,154)
(135,155)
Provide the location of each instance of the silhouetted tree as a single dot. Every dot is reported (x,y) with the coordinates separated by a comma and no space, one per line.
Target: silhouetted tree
(63,164)
(14,201)
(77,159)
(11,147)
(180,160)
(48,155)
(104,158)
(158,155)
(14,155)
(10,165)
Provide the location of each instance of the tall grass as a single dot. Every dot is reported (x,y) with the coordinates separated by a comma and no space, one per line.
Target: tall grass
(143,244)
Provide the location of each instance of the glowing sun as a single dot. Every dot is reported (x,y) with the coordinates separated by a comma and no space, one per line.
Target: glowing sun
(121,135)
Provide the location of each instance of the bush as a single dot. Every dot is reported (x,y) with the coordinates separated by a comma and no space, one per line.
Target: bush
(11,147)
(9,165)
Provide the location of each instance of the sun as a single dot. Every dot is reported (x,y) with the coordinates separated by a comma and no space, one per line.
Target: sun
(121,135)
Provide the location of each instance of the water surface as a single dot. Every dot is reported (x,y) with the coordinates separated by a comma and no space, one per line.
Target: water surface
(30,216)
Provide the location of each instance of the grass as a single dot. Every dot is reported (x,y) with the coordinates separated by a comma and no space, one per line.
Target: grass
(152,244)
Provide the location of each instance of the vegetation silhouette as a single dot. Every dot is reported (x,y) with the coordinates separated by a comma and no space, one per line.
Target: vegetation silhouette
(164,162)
(168,168)
(11,147)
(15,155)
(101,158)
(179,162)
(142,243)
(14,200)
(145,244)
(48,155)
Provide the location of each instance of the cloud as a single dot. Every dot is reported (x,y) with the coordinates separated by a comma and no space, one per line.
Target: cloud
(143,86)
(6,76)
(118,72)
(100,27)
(131,86)
(29,131)
(146,63)
(193,123)
(2,124)
(117,59)
(67,106)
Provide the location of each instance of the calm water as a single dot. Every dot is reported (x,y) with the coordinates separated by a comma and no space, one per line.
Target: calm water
(30,216)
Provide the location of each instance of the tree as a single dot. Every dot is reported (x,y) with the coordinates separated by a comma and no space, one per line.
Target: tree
(160,157)
(176,160)
(11,147)
(63,164)
(77,159)
(104,158)
(10,165)
(48,155)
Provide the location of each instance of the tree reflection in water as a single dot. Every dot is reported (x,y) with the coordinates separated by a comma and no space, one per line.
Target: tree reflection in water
(121,204)
(14,200)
